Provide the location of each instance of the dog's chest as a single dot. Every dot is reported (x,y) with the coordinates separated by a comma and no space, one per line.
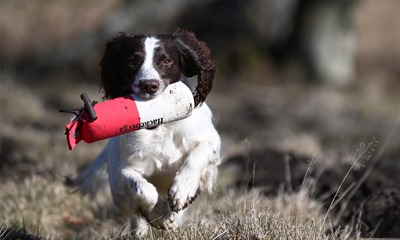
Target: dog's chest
(162,149)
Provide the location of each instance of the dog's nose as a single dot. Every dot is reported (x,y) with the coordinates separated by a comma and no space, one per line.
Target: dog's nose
(149,86)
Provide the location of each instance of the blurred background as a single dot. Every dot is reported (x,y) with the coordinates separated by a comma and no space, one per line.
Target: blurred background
(310,77)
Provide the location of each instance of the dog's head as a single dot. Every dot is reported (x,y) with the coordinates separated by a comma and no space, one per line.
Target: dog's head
(146,64)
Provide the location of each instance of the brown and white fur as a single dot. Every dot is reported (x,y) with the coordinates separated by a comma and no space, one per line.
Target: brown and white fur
(154,174)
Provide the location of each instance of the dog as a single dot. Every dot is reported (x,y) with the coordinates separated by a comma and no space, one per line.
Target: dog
(154,174)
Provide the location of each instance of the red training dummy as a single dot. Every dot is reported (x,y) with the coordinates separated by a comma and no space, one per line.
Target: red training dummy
(129,113)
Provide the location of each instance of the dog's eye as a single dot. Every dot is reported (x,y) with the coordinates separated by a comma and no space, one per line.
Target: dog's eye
(134,60)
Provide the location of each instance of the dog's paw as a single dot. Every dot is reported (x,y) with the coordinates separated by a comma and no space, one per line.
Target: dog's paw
(161,216)
(183,191)
(143,193)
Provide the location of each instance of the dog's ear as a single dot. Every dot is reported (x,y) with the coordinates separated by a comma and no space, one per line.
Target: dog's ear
(195,60)
(110,66)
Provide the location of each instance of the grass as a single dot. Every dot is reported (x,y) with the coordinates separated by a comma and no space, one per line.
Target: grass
(363,152)
(242,216)
(35,160)
(51,212)
(39,205)
(35,202)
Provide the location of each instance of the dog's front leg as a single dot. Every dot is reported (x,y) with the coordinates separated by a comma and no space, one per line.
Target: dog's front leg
(146,201)
(188,180)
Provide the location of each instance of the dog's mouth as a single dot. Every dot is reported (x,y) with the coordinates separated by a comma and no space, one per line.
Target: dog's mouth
(145,96)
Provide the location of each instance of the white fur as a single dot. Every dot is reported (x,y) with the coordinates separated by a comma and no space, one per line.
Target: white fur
(153,171)
(147,70)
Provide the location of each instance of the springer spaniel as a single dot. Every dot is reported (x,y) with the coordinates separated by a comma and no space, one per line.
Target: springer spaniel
(154,174)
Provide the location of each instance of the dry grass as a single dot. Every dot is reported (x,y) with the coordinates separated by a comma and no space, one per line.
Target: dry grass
(35,199)
(51,212)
